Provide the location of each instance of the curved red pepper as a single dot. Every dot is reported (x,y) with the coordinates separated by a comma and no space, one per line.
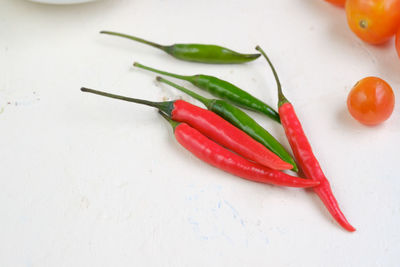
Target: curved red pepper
(309,164)
(303,152)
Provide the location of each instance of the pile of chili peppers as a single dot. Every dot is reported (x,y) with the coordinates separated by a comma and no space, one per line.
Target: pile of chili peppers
(225,136)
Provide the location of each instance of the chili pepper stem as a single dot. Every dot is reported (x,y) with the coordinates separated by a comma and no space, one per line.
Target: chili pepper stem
(205,101)
(164,106)
(162,47)
(281,96)
(182,77)
(171,122)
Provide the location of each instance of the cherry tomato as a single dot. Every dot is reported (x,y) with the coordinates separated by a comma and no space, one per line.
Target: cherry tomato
(398,42)
(374,21)
(337,2)
(371,101)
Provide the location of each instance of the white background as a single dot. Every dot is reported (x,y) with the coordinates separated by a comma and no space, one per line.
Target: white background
(90,181)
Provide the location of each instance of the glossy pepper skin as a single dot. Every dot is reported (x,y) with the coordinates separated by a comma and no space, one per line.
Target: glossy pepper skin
(309,164)
(220,157)
(241,120)
(223,89)
(203,53)
(214,127)
(304,155)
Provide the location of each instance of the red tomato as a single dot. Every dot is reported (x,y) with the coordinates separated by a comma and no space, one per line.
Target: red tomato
(371,101)
(374,21)
(398,42)
(337,2)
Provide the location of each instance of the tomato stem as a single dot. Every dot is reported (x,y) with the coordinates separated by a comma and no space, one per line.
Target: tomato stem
(363,24)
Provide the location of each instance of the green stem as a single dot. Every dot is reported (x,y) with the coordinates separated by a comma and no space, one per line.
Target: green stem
(164,106)
(281,96)
(162,47)
(173,123)
(181,77)
(205,101)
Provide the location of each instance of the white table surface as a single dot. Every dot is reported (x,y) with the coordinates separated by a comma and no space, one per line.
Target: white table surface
(89,181)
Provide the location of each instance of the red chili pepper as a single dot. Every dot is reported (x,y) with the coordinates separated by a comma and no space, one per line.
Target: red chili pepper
(222,158)
(214,127)
(224,133)
(304,155)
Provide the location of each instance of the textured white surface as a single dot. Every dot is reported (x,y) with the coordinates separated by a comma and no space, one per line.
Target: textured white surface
(61,2)
(88,181)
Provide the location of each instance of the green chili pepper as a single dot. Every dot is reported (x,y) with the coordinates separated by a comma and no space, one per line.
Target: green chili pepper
(241,120)
(203,53)
(224,90)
